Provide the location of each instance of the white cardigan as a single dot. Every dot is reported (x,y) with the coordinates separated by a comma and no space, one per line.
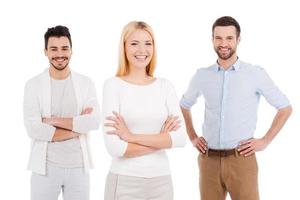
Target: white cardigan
(37,104)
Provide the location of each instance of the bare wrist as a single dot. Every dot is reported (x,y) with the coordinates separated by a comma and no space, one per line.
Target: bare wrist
(267,140)
(53,121)
(75,134)
(193,136)
(131,138)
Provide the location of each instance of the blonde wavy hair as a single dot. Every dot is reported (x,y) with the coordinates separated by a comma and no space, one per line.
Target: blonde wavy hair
(123,68)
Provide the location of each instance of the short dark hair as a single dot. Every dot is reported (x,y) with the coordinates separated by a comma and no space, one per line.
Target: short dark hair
(227,21)
(57,31)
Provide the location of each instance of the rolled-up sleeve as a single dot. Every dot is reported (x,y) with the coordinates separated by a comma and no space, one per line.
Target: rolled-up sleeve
(85,123)
(178,137)
(35,128)
(193,92)
(110,102)
(270,91)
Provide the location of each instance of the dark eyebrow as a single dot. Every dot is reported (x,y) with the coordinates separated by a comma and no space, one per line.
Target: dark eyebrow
(63,47)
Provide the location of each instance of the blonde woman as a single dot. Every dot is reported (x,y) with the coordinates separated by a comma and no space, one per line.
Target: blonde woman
(142,119)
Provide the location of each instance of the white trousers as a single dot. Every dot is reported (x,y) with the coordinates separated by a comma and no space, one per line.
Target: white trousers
(119,187)
(73,182)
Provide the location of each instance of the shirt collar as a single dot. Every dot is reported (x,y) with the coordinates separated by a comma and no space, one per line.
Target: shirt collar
(236,66)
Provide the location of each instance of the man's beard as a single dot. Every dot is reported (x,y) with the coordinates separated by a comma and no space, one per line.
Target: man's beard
(227,56)
(60,68)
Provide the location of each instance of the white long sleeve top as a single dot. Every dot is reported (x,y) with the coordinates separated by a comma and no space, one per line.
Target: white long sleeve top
(37,104)
(144,109)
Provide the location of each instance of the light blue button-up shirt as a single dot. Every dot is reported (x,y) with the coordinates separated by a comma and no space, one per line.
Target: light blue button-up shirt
(231,101)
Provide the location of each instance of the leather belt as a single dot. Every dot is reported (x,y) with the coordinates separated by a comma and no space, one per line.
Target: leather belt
(221,153)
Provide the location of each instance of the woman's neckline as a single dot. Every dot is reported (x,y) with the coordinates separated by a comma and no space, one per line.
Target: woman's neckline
(153,81)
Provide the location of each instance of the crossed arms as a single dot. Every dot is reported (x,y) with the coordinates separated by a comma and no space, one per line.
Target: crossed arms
(64,126)
(141,144)
(57,129)
(121,142)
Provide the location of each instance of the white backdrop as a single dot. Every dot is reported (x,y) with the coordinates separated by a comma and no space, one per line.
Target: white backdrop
(270,37)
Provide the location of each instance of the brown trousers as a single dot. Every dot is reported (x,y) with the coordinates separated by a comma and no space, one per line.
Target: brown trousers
(234,174)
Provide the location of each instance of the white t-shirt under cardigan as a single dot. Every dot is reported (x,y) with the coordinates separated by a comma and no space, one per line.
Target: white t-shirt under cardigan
(144,109)
(68,153)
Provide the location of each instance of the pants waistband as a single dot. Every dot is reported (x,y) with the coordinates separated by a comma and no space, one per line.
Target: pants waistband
(221,152)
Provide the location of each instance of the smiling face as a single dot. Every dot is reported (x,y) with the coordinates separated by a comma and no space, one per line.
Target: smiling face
(225,41)
(139,49)
(58,52)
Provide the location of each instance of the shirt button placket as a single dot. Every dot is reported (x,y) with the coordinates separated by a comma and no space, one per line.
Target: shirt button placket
(223,106)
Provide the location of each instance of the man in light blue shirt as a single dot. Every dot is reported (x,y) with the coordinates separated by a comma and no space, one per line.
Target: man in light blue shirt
(231,89)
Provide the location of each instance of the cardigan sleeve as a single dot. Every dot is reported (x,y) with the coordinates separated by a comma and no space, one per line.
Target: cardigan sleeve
(85,123)
(35,128)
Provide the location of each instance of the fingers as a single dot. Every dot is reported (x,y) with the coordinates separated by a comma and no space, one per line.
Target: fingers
(174,126)
(171,123)
(200,148)
(244,146)
(110,118)
(117,115)
(168,119)
(203,140)
(202,144)
(86,111)
(250,153)
(247,147)
(112,133)
(118,123)
(166,124)
(119,118)
(113,125)
(247,152)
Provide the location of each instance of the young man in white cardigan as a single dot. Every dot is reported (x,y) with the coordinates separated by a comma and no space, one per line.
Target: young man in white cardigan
(60,108)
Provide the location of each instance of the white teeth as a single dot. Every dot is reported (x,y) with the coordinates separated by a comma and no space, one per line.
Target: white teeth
(223,49)
(141,57)
(60,60)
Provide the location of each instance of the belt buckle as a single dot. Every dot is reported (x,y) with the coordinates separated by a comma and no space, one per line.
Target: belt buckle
(223,153)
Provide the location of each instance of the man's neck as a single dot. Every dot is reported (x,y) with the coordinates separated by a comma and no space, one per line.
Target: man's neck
(226,64)
(59,74)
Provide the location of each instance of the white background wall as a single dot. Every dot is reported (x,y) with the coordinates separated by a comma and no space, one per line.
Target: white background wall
(270,37)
